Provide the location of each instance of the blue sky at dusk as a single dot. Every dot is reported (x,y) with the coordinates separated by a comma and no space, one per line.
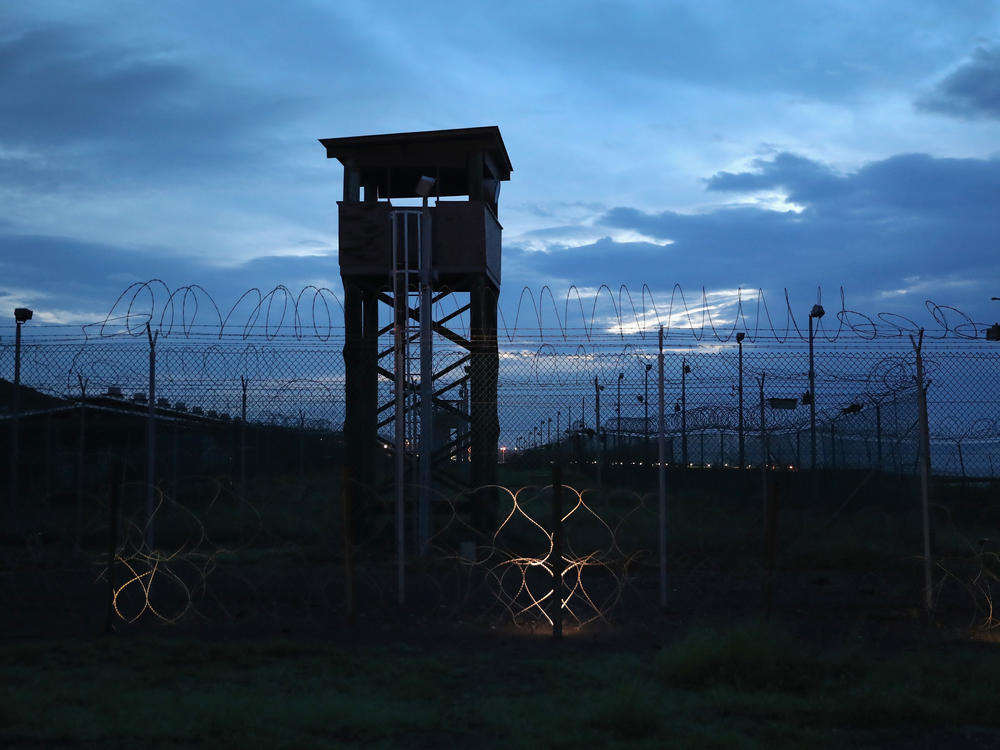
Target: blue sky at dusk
(708,143)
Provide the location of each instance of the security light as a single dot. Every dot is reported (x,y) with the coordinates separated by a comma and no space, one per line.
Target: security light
(22,314)
(740,336)
(817,311)
(424,186)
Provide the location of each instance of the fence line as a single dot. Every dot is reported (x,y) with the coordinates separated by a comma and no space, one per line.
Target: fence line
(590,314)
(865,398)
(249,457)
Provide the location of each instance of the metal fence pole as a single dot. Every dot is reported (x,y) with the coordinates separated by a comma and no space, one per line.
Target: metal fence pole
(557,545)
(661,441)
(763,444)
(81,448)
(346,494)
(812,402)
(243,455)
(878,434)
(739,341)
(597,428)
(116,482)
(925,469)
(151,441)
(684,410)
(15,409)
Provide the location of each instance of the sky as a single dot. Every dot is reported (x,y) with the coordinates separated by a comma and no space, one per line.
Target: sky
(715,144)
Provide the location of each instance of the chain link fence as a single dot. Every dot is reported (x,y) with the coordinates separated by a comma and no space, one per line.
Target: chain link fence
(602,401)
(236,448)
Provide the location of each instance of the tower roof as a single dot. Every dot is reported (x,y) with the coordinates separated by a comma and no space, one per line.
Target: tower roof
(393,162)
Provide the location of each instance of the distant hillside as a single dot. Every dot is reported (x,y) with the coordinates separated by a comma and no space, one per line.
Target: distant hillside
(30,398)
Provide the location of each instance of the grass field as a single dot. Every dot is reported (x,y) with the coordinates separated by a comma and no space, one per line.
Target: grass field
(848,659)
(741,686)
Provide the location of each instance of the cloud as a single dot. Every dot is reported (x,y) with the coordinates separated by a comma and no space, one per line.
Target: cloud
(970,91)
(70,105)
(81,281)
(871,230)
(804,180)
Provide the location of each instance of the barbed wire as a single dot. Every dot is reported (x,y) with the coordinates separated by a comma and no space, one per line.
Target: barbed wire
(583,314)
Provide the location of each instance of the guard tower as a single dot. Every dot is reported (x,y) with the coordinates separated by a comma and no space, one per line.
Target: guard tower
(440,425)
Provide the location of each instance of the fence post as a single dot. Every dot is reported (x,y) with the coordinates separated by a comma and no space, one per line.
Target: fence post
(684,412)
(661,441)
(243,457)
(15,410)
(925,469)
(763,445)
(116,481)
(597,431)
(833,444)
(878,434)
(346,490)
(742,446)
(151,440)
(81,447)
(557,557)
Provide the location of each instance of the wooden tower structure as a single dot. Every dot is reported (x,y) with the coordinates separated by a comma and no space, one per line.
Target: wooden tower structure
(410,257)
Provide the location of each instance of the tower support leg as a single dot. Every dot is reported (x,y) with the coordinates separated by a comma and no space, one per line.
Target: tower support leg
(483,372)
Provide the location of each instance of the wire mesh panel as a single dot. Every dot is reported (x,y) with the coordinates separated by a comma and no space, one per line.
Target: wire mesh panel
(247,461)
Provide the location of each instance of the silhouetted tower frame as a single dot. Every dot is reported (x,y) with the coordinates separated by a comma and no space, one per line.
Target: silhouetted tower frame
(465,252)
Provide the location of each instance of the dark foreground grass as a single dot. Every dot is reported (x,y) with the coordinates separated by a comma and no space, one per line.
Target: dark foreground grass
(739,687)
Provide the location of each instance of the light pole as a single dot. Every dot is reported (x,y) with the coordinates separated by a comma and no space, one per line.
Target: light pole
(598,432)
(816,313)
(685,369)
(645,432)
(597,406)
(21,315)
(739,341)
(645,413)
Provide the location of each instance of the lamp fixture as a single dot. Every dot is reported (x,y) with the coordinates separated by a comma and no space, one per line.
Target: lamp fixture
(424,186)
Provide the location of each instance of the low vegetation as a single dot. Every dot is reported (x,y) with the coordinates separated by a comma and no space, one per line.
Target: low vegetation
(740,686)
